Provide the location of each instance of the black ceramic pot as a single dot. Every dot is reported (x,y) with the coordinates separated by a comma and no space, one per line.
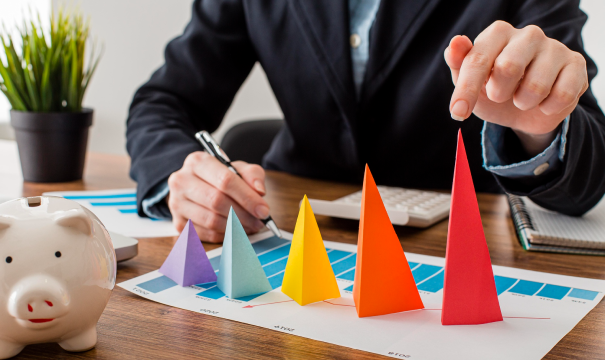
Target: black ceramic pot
(52,146)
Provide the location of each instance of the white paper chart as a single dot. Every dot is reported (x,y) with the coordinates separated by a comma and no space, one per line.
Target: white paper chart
(117,209)
(538,308)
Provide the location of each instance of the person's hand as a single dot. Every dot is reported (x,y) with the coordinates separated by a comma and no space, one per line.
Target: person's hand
(517,78)
(203,190)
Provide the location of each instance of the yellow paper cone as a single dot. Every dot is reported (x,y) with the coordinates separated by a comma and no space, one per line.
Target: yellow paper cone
(309,276)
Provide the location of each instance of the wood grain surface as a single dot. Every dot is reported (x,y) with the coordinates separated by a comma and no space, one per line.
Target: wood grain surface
(132,327)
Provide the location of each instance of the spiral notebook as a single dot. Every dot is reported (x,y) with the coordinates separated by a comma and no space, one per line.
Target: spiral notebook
(539,229)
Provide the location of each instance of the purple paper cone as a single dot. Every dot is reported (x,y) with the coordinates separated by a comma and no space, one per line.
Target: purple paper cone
(187,264)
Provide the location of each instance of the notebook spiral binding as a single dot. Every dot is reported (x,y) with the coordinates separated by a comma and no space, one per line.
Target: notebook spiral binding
(519,212)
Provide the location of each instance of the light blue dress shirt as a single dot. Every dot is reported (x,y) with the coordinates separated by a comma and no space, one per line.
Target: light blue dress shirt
(362,14)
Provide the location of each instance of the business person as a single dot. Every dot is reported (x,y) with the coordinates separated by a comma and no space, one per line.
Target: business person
(377,82)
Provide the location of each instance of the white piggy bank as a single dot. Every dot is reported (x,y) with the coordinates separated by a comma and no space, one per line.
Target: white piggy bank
(57,271)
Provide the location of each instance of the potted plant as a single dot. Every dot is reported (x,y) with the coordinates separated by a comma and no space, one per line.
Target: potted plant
(42,73)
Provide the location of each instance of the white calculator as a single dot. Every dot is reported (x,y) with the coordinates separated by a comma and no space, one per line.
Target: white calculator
(405,206)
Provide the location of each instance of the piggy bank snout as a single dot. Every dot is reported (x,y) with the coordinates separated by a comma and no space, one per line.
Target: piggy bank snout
(38,299)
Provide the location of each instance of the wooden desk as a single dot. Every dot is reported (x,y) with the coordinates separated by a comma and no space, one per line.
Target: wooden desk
(134,327)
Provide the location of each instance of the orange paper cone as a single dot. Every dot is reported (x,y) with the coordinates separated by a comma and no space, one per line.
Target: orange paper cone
(383,280)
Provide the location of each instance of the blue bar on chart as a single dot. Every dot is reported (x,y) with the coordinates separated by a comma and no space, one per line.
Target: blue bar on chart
(276,280)
(114,203)
(158,284)
(554,291)
(275,267)
(207,285)
(336,255)
(344,264)
(268,244)
(583,294)
(129,211)
(503,283)
(526,287)
(99,197)
(212,293)
(424,271)
(433,284)
(349,275)
(259,247)
(274,254)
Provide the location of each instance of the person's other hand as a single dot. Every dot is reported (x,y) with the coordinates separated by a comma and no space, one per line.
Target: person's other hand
(518,78)
(203,190)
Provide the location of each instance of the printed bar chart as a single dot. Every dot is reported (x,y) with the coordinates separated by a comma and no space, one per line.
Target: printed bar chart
(158,284)
(583,294)
(504,283)
(124,203)
(525,287)
(433,284)
(97,197)
(554,291)
(128,211)
(336,255)
(273,255)
(345,264)
(534,305)
(424,271)
(213,293)
(347,275)
(114,203)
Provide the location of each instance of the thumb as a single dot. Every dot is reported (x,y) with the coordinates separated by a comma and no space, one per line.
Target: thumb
(455,53)
(253,175)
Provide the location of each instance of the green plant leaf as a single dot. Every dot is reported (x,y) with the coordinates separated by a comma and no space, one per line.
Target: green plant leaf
(15,72)
(48,71)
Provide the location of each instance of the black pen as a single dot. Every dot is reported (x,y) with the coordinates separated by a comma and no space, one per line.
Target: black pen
(213,149)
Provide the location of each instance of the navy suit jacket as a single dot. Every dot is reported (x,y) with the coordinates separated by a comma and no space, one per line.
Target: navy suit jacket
(400,123)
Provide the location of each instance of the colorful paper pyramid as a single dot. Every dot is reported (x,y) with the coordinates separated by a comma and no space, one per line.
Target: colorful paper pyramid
(240,272)
(384,283)
(469,292)
(309,276)
(187,264)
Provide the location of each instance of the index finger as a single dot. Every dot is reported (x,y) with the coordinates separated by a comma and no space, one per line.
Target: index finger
(218,175)
(476,68)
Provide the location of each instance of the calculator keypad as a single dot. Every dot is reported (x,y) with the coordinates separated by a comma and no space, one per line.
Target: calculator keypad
(416,202)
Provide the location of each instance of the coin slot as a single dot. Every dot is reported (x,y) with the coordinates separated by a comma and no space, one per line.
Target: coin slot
(34,201)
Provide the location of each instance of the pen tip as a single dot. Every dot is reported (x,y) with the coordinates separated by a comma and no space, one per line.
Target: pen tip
(274,229)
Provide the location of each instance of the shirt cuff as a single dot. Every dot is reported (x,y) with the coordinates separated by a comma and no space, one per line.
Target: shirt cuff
(154,205)
(494,156)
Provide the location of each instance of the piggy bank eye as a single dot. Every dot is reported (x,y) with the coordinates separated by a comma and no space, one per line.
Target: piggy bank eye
(58,254)
(9,259)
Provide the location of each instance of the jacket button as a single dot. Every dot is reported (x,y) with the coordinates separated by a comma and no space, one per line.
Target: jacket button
(355,41)
(541,169)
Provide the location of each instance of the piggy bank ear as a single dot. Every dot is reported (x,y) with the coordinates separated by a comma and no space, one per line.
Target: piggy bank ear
(5,222)
(76,219)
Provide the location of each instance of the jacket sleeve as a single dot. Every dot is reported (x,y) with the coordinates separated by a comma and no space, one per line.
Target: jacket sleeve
(579,183)
(203,69)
